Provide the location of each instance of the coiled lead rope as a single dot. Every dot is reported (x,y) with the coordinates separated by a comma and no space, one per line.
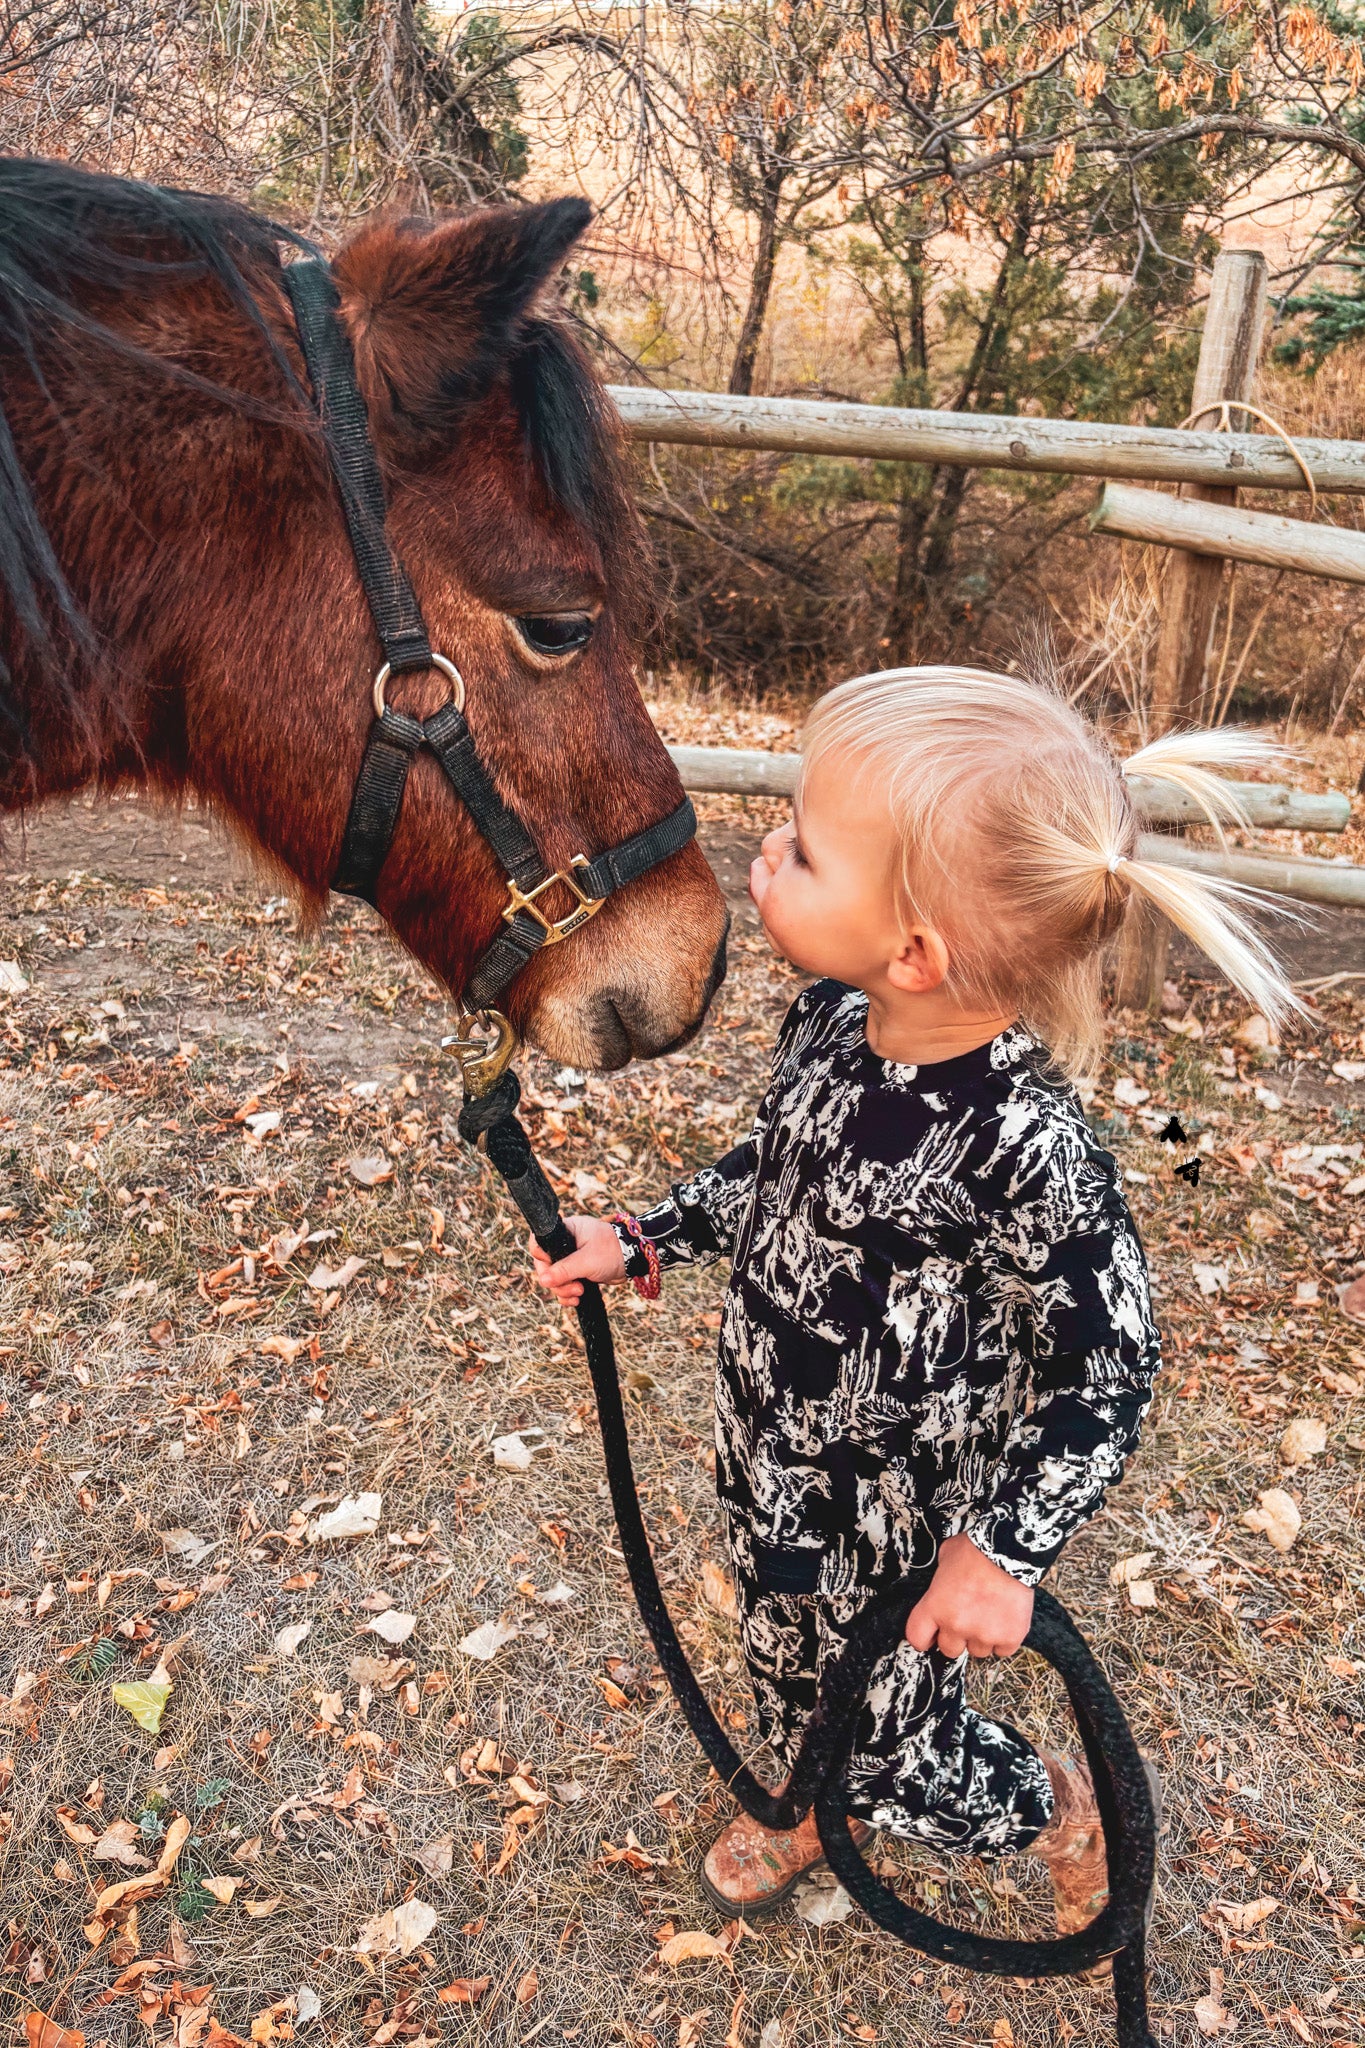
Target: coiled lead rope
(817,1779)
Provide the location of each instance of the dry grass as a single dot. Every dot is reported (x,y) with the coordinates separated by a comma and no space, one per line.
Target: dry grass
(141,1400)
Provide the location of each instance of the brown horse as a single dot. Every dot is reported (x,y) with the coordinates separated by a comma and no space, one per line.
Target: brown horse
(179,605)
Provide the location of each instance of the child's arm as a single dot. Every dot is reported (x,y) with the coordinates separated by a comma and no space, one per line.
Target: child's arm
(695,1224)
(1095,1354)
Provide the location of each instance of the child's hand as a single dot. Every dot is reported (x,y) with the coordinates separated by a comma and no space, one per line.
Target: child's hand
(598,1257)
(971,1605)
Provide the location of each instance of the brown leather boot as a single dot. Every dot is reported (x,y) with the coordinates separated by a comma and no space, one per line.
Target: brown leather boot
(751,1870)
(1072,1845)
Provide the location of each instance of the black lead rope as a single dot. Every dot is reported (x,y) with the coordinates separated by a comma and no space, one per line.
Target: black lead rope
(817,1778)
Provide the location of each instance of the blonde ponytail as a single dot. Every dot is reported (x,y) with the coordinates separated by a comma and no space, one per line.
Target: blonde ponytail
(1209,908)
(1204,908)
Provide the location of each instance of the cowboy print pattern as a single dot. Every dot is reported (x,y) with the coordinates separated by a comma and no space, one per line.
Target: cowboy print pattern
(937,1321)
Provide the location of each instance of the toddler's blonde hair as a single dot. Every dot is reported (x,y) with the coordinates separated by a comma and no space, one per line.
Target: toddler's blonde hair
(1018,837)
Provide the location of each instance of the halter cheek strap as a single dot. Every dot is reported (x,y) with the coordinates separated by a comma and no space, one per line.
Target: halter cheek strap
(395,737)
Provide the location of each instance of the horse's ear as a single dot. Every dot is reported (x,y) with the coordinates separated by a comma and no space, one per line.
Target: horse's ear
(433,312)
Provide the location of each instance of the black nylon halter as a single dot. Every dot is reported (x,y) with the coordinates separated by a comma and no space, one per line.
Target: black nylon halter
(395,737)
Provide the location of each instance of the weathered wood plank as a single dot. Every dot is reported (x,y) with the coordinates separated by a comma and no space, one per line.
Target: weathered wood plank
(711,419)
(1266,538)
(1274,806)
(1309,881)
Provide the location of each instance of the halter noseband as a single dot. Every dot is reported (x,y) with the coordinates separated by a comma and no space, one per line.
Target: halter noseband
(395,737)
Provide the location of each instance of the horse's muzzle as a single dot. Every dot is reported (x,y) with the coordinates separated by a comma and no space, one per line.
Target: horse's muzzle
(652,1008)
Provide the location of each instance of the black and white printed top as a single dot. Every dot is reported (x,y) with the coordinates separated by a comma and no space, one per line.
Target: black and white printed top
(938,1317)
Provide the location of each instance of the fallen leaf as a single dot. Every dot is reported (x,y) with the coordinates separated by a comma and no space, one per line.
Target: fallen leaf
(527,1988)
(353,1516)
(285,1348)
(222,1888)
(261,1909)
(13,982)
(322,1279)
(1142,1593)
(464,1991)
(396,1932)
(392,1626)
(1128,1092)
(1349,1070)
(122,1842)
(75,1829)
(41,2031)
(1306,1292)
(487,1639)
(1245,1914)
(437,1855)
(692,2027)
(184,1543)
(264,1122)
(1256,1031)
(1277,1518)
(116,1899)
(1129,1568)
(145,1700)
(1002,2034)
(823,1905)
(512,1453)
(307,2004)
(1342,1667)
(1351,1300)
(1211,2016)
(718,1591)
(1305,1438)
(1210,1280)
(371,1170)
(693,1948)
(289,1639)
(1263,1224)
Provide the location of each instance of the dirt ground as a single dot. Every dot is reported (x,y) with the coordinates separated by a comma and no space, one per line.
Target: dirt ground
(248,1273)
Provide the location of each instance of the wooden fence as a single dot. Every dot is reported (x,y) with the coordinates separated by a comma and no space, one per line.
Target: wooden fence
(884,433)
(734,771)
(1202,524)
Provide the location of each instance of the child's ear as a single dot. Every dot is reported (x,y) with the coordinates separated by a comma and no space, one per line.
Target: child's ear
(434,312)
(921,964)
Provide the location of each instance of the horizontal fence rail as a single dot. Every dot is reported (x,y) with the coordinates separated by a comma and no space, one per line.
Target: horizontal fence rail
(736,771)
(1310,881)
(807,426)
(1230,533)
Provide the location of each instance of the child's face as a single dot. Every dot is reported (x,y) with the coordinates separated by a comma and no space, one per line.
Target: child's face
(824,884)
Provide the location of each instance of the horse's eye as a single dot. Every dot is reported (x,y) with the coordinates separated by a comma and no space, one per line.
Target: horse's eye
(555,632)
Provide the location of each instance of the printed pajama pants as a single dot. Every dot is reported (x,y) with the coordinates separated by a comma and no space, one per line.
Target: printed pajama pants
(925,1765)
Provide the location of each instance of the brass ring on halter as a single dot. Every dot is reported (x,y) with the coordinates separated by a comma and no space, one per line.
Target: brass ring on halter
(448,670)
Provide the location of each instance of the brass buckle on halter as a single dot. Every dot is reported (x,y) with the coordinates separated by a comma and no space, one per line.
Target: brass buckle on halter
(555,928)
(482,1062)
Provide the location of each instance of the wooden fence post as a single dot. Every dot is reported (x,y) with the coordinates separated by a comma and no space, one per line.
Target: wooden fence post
(1228,353)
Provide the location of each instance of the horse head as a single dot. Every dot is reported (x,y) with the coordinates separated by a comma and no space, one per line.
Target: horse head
(201,624)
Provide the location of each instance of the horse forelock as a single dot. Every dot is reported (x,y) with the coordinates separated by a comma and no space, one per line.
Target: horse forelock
(88,266)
